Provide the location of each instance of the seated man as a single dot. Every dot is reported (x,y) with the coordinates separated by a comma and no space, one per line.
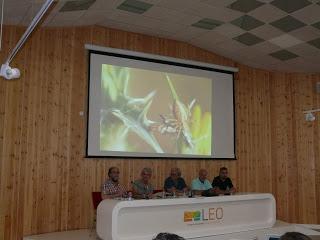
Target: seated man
(222,184)
(201,184)
(175,183)
(142,188)
(112,188)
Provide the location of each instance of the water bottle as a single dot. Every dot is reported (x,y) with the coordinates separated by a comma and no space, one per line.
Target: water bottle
(163,194)
(130,196)
(184,193)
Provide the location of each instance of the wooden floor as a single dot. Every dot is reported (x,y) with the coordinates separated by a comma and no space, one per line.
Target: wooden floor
(84,234)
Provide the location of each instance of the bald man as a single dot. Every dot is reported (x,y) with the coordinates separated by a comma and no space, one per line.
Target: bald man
(201,183)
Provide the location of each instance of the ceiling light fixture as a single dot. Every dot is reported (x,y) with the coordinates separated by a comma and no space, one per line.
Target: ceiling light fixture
(11,73)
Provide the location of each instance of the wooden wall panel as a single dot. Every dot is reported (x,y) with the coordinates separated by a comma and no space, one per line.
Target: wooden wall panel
(45,182)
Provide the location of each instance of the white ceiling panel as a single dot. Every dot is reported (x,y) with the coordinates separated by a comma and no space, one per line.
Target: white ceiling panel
(173,19)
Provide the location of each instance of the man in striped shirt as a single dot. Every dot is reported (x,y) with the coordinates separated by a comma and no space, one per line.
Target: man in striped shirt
(112,188)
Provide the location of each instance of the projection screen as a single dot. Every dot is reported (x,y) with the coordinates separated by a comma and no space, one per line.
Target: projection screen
(149,106)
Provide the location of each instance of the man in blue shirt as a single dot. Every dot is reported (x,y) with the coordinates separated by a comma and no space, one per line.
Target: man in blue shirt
(201,183)
(175,183)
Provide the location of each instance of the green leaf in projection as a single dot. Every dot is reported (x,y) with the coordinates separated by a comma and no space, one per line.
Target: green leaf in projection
(131,112)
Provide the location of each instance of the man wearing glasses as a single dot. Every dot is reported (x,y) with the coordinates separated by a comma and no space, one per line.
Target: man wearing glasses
(175,183)
(112,188)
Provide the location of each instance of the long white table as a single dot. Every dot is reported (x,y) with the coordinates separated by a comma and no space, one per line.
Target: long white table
(187,217)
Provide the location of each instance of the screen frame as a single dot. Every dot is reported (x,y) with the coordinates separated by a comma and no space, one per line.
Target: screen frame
(159,60)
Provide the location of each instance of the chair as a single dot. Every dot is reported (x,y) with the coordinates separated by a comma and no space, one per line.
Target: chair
(157,191)
(96,199)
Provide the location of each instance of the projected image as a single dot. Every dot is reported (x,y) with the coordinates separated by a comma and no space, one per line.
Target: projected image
(154,112)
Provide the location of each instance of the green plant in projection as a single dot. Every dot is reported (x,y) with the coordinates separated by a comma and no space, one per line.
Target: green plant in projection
(181,113)
(114,137)
(201,124)
(130,112)
(191,127)
(177,123)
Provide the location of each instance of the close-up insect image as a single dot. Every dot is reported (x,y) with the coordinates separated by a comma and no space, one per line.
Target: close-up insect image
(154,112)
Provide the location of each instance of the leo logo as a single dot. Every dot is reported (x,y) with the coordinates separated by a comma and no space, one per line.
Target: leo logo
(192,216)
(208,214)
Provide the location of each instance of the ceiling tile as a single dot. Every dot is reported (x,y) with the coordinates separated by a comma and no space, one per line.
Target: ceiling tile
(156,24)
(208,39)
(66,18)
(207,23)
(266,1)
(153,2)
(189,33)
(218,13)
(169,15)
(91,18)
(266,47)
(290,6)
(227,48)
(178,5)
(229,30)
(103,5)
(305,50)
(316,25)
(218,3)
(309,14)
(15,16)
(315,42)
(247,22)
(29,13)
(267,13)
(266,32)
(124,17)
(77,5)
(285,41)
(230,45)
(248,39)
(12,20)
(288,24)
(158,33)
(53,13)
(123,26)
(306,33)
(263,62)
(143,21)
(298,64)
(249,52)
(313,58)
(245,5)
(283,55)
(135,6)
